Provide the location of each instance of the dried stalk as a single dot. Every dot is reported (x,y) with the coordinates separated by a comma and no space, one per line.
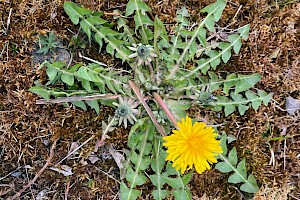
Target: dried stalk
(165,108)
(77,98)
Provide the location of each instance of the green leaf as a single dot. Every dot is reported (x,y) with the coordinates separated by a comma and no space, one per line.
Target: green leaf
(75,12)
(182,194)
(157,181)
(138,124)
(227,103)
(214,60)
(232,157)
(51,72)
(242,109)
(246,82)
(160,194)
(141,19)
(226,51)
(80,104)
(44,50)
(236,45)
(158,162)
(241,175)
(101,34)
(135,5)
(210,23)
(127,194)
(187,178)
(231,138)
(173,182)
(170,170)
(141,161)
(136,179)
(87,74)
(230,82)
(244,31)
(202,37)
(266,98)
(205,65)
(213,79)
(255,100)
(223,167)
(41,92)
(178,108)
(67,78)
(110,86)
(239,100)
(86,24)
(223,143)
(250,186)
(159,31)
(93,104)
(86,85)
(215,8)
(129,33)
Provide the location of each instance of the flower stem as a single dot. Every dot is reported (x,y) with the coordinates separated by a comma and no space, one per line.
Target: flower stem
(103,137)
(165,108)
(147,108)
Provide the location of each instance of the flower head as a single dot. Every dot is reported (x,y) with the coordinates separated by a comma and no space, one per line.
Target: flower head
(144,53)
(193,144)
(126,110)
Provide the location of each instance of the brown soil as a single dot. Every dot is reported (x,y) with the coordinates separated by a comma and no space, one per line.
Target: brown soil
(27,130)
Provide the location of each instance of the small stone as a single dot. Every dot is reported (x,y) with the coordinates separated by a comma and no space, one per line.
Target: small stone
(60,54)
(16,174)
(292,105)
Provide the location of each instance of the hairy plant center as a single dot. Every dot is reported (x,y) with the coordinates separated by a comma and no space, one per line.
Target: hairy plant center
(143,52)
(123,111)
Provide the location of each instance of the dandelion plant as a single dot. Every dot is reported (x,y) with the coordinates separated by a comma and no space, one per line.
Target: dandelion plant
(168,74)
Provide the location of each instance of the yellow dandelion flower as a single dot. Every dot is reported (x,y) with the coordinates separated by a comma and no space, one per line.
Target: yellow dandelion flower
(192,145)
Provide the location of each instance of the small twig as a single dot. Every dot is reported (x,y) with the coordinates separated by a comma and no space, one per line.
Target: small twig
(108,175)
(237,12)
(147,108)
(67,189)
(242,196)
(275,102)
(10,173)
(71,153)
(92,60)
(77,98)
(294,197)
(284,155)
(8,20)
(18,194)
(5,44)
(219,31)
(283,133)
(113,14)
(165,108)
(103,137)
(7,111)
(272,159)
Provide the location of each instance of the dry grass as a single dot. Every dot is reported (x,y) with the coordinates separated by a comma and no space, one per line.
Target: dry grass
(27,129)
